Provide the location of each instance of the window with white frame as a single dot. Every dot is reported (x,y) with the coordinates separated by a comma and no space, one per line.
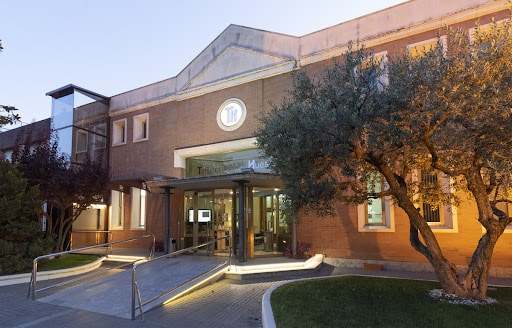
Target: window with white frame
(100,133)
(419,49)
(504,205)
(140,127)
(8,155)
(505,208)
(377,213)
(443,217)
(485,29)
(119,132)
(483,35)
(431,213)
(116,218)
(138,198)
(81,141)
(374,71)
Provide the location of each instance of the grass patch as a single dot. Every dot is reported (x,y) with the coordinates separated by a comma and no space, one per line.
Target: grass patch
(354,301)
(66,261)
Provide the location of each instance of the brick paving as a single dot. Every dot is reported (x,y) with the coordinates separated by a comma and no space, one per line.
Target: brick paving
(226,303)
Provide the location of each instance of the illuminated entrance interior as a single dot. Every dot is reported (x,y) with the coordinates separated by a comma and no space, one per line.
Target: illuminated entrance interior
(215,213)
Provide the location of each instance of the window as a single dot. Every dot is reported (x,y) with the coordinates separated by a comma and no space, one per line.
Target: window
(419,49)
(138,197)
(100,140)
(373,71)
(119,132)
(442,217)
(483,36)
(503,206)
(116,210)
(81,141)
(140,127)
(506,208)
(482,31)
(430,213)
(377,213)
(8,155)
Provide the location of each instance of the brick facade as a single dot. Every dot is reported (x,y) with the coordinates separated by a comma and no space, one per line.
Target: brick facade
(257,67)
(186,118)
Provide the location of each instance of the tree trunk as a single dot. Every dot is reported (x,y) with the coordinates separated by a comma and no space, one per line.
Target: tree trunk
(49,220)
(445,271)
(474,284)
(60,234)
(475,280)
(66,230)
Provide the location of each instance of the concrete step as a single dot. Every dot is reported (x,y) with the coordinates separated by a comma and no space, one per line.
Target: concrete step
(124,258)
(288,268)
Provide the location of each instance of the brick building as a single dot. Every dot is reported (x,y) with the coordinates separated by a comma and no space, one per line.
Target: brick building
(185,166)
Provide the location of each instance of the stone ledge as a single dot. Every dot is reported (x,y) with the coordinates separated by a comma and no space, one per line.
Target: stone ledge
(497,272)
(47,275)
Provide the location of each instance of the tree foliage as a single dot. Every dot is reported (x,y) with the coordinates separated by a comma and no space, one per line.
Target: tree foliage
(68,189)
(446,110)
(7,113)
(21,236)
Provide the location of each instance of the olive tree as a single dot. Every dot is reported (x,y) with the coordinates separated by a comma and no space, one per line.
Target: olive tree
(368,119)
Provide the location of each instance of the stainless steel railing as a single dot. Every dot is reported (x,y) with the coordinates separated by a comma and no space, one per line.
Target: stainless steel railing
(135,286)
(32,288)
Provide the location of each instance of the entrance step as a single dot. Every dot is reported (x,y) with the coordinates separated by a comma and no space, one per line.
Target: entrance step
(124,258)
(279,267)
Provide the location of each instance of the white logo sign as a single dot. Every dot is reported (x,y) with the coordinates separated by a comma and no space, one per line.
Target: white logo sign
(231,114)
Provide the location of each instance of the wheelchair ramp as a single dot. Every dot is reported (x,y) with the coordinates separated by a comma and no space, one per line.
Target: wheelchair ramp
(112,295)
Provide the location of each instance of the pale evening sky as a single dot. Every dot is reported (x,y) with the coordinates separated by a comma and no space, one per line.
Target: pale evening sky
(113,46)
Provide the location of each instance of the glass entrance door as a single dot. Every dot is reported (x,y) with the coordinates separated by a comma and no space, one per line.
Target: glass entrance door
(223,210)
(198,220)
(272,232)
(210,215)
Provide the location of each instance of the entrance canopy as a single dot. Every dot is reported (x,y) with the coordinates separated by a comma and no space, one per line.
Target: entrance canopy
(215,182)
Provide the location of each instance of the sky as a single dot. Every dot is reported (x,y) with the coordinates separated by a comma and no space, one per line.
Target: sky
(113,46)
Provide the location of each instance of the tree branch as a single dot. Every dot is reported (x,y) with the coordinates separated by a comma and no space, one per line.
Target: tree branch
(416,242)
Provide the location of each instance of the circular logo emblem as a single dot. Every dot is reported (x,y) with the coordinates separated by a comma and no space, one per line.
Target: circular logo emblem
(231,114)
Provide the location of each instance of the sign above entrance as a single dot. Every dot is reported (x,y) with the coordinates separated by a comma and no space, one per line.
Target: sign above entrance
(231,114)
(227,163)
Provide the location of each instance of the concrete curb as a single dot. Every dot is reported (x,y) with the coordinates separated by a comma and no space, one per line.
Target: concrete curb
(267,316)
(47,275)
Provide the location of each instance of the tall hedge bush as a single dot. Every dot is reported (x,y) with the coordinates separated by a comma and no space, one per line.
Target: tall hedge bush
(21,235)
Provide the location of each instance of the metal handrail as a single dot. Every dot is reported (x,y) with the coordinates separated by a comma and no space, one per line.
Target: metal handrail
(135,286)
(137,291)
(109,237)
(32,290)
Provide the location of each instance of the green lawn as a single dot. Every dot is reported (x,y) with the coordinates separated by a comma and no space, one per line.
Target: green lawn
(354,301)
(66,261)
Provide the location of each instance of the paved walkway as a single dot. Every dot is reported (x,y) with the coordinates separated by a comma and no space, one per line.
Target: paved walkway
(226,303)
(112,295)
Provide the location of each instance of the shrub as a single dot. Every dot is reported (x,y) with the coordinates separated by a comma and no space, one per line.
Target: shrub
(304,251)
(21,236)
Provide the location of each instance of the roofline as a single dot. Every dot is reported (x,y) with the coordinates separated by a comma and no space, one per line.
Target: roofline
(70,88)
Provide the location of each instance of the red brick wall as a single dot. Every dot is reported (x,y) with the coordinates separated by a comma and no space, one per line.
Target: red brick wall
(192,122)
(338,237)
